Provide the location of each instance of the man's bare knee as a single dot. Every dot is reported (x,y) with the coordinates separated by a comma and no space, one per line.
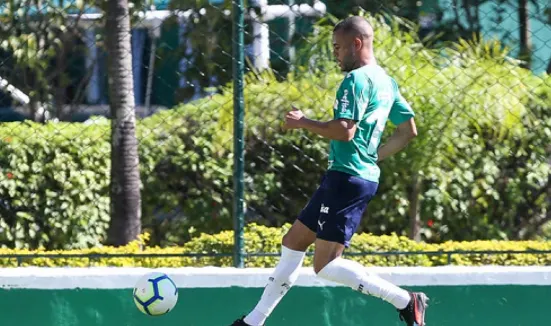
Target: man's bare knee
(294,241)
(299,237)
(325,253)
(287,240)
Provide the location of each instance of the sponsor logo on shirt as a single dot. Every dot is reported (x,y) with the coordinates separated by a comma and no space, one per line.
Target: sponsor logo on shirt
(344,101)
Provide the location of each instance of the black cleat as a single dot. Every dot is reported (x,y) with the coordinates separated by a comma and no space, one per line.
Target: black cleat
(240,322)
(414,313)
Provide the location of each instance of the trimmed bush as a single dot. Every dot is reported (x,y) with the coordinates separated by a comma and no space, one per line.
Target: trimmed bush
(54,185)
(261,239)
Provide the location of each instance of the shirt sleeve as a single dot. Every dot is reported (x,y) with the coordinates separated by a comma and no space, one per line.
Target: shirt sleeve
(352,98)
(400,111)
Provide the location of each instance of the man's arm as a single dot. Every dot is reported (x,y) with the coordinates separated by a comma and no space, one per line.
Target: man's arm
(339,129)
(403,134)
(348,109)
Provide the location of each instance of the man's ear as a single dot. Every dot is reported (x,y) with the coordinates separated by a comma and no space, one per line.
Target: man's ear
(357,43)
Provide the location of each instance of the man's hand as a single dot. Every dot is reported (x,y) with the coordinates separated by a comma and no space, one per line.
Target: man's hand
(294,119)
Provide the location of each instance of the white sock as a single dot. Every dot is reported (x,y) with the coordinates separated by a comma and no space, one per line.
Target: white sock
(354,275)
(283,277)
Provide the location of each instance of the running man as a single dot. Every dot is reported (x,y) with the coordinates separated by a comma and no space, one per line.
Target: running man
(366,99)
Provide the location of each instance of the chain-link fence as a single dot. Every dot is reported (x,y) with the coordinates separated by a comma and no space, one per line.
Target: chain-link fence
(72,78)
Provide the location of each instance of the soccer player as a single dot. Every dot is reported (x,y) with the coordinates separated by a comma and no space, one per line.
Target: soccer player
(366,99)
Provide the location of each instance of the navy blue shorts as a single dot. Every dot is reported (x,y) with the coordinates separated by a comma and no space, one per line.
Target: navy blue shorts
(336,208)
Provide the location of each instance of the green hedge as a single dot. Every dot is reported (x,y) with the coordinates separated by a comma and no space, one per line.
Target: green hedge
(261,239)
(54,185)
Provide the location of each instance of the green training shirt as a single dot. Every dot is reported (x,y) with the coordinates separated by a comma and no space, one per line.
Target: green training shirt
(370,97)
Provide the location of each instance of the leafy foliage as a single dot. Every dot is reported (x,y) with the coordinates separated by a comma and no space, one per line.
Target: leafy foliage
(481,154)
(261,239)
(207,52)
(41,43)
(470,98)
(53,185)
(33,37)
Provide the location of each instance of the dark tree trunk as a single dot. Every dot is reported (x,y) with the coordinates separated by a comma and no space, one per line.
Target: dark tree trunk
(125,224)
(414,209)
(525,53)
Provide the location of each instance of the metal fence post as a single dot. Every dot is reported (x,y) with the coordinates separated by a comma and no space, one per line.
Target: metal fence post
(238,131)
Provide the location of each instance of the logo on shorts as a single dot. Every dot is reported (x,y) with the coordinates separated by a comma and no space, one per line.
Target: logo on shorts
(324,209)
(320,223)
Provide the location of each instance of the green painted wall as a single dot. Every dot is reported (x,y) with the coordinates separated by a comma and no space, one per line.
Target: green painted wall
(335,306)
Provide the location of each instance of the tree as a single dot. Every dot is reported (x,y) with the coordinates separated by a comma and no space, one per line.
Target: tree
(464,19)
(525,52)
(40,40)
(125,223)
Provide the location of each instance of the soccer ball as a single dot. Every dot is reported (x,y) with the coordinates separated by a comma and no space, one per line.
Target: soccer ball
(155,294)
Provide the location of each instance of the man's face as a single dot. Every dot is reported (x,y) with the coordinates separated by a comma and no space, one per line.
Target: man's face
(344,51)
